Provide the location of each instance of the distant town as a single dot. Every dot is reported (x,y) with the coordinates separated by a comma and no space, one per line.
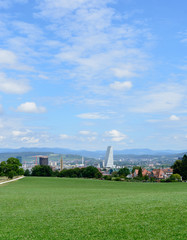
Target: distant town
(155,166)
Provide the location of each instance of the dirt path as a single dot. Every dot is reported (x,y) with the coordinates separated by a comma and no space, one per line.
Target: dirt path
(12,180)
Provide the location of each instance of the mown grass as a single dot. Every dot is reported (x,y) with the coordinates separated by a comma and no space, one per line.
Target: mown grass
(3,179)
(72,209)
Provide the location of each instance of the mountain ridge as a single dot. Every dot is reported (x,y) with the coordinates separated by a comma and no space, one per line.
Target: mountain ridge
(97,153)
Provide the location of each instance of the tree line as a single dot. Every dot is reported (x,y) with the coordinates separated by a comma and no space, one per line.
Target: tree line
(88,172)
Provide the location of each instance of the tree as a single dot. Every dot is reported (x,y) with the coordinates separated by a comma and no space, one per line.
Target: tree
(146,178)
(180,167)
(91,172)
(43,171)
(114,174)
(88,172)
(27,172)
(11,174)
(184,167)
(2,168)
(11,167)
(135,167)
(21,171)
(177,166)
(140,172)
(175,177)
(123,172)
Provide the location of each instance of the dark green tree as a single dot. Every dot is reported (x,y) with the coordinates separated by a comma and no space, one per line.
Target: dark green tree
(175,177)
(146,178)
(88,172)
(180,167)
(184,167)
(27,173)
(21,171)
(177,167)
(2,168)
(11,174)
(123,172)
(140,172)
(11,165)
(135,167)
(43,171)
(91,172)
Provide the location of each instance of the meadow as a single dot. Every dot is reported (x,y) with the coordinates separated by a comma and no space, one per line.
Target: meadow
(78,209)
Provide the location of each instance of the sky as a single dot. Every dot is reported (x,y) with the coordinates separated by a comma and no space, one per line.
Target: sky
(85,74)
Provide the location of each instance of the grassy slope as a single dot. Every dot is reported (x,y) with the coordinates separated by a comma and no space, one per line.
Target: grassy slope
(51,208)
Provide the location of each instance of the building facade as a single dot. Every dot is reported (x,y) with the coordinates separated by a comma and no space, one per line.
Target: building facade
(109,161)
(43,161)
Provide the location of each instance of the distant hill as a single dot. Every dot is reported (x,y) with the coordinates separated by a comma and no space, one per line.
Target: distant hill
(92,154)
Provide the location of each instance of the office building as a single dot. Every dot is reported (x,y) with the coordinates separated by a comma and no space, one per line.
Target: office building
(43,160)
(109,162)
(61,164)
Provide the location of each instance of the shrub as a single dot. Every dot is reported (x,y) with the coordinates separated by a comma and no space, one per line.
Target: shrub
(44,171)
(107,177)
(11,174)
(117,179)
(27,172)
(175,177)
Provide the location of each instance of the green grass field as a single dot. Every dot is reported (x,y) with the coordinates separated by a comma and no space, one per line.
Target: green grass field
(55,208)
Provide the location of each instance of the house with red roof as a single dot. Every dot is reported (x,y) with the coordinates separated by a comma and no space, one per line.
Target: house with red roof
(161,173)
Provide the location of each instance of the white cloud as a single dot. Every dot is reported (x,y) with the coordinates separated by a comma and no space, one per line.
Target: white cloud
(7,57)
(30,107)
(8,3)
(183,36)
(83,136)
(43,76)
(162,98)
(115,135)
(59,8)
(92,116)
(2,138)
(65,136)
(12,86)
(1,108)
(124,72)
(174,118)
(91,139)
(87,133)
(17,133)
(121,85)
(29,140)
(98,43)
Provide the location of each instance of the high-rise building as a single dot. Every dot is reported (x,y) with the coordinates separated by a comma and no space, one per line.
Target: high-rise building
(61,164)
(109,162)
(43,160)
(82,161)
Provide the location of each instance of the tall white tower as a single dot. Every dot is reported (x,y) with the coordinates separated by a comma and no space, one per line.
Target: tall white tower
(109,162)
(82,161)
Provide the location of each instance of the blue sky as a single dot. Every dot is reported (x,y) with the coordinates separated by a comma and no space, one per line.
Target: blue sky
(84,74)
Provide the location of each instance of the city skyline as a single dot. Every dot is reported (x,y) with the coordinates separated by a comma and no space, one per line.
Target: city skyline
(89,74)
